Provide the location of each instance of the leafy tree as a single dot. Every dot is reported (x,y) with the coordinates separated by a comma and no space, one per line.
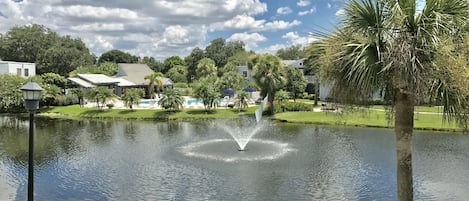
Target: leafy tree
(390,47)
(231,80)
(316,57)
(132,97)
(26,43)
(206,67)
(117,56)
(100,95)
(50,94)
(154,81)
(177,74)
(219,51)
(172,62)
(106,68)
(80,94)
(54,79)
(241,100)
(64,56)
(192,60)
(11,97)
(240,58)
(282,97)
(206,90)
(296,81)
(154,64)
(268,73)
(171,100)
(290,53)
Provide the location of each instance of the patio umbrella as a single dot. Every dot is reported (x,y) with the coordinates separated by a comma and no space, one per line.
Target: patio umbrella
(228,92)
(249,89)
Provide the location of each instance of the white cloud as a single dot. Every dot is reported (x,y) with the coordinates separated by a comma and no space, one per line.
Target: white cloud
(272,49)
(249,39)
(284,10)
(279,24)
(312,10)
(99,27)
(340,12)
(243,22)
(296,39)
(249,23)
(303,3)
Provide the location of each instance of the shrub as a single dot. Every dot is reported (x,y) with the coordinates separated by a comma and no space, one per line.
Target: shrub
(181,85)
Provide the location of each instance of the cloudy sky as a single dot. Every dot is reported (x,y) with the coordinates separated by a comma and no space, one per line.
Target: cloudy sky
(162,28)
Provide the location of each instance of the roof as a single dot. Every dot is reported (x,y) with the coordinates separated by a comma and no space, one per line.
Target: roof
(134,73)
(295,63)
(81,82)
(124,83)
(97,79)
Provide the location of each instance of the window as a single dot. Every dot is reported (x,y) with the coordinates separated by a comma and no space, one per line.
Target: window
(18,71)
(245,73)
(26,72)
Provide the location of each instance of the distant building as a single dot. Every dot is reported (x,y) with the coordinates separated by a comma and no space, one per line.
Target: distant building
(299,63)
(128,76)
(245,72)
(22,69)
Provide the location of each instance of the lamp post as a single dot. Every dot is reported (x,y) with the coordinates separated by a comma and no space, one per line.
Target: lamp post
(32,94)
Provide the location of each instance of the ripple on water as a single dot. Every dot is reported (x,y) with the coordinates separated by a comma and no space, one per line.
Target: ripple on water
(226,150)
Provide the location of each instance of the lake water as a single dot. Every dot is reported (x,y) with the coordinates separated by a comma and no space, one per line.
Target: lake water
(131,160)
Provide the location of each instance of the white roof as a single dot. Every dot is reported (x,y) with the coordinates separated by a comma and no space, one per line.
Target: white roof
(81,82)
(97,79)
(124,83)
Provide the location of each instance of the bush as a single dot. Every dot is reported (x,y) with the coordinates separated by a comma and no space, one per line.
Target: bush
(181,85)
(290,107)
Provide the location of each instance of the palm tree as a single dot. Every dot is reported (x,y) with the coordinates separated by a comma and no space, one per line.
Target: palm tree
(80,95)
(241,100)
(206,67)
(132,97)
(268,73)
(154,80)
(171,100)
(390,47)
(100,94)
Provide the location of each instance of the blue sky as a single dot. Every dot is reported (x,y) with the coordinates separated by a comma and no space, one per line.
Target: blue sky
(163,28)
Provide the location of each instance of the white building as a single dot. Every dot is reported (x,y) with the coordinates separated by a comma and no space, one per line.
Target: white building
(22,69)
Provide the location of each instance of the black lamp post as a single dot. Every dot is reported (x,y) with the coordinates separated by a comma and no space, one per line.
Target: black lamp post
(32,94)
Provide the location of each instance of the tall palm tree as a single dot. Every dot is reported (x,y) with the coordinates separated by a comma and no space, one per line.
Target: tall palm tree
(389,46)
(268,73)
(171,100)
(154,80)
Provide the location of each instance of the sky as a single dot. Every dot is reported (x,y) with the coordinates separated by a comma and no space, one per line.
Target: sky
(164,28)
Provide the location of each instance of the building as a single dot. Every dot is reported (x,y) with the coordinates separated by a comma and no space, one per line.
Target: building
(245,72)
(22,69)
(128,76)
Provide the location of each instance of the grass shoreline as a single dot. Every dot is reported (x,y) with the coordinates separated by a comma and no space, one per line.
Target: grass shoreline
(369,118)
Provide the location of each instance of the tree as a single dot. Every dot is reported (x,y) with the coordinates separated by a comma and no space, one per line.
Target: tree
(206,67)
(154,81)
(54,79)
(192,60)
(290,53)
(231,80)
(296,81)
(268,73)
(390,47)
(177,74)
(132,97)
(241,100)
(50,94)
(219,51)
(64,56)
(172,62)
(154,64)
(117,56)
(26,43)
(11,97)
(282,97)
(100,95)
(80,95)
(106,68)
(206,90)
(171,100)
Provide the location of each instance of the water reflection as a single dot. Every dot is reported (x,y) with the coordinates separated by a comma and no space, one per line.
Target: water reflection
(135,160)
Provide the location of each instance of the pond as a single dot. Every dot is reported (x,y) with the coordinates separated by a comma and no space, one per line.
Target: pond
(135,160)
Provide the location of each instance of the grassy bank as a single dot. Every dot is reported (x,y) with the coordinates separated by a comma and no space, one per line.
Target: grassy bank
(74,111)
(370,118)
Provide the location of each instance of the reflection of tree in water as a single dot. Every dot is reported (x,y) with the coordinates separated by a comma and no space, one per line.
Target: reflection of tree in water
(99,131)
(52,138)
(130,130)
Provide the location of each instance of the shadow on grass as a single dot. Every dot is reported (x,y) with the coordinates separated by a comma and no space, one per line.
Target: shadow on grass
(123,112)
(200,112)
(94,112)
(162,114)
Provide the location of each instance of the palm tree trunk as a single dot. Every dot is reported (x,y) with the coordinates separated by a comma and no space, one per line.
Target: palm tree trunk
(270,98)
(316,92)
(404,124)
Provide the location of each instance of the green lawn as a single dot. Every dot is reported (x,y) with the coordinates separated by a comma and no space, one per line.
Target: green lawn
(74,111)
(370,118)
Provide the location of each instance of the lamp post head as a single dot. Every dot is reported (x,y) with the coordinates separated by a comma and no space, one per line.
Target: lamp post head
(32,94)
